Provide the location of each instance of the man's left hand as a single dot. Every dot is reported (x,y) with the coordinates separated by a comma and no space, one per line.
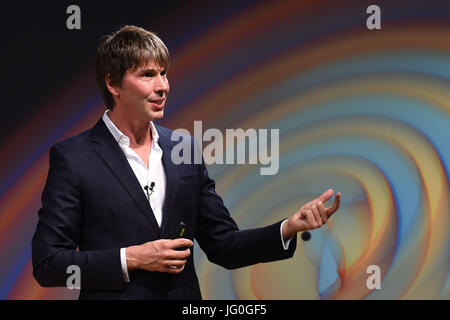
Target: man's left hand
(312,215)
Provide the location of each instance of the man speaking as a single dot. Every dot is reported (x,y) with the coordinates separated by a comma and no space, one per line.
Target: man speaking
(116,206)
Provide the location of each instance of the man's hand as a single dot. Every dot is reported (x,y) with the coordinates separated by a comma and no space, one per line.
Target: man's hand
(159,255)
(312,215)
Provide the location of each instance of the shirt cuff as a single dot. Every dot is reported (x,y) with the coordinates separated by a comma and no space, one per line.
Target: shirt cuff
(123,263)
(284,242)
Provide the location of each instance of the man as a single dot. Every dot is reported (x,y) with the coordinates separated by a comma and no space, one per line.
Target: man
(113,199)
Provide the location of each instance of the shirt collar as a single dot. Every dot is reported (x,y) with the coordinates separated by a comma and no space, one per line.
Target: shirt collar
(118,135)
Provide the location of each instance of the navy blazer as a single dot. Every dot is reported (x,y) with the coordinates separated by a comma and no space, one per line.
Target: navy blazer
(93,205)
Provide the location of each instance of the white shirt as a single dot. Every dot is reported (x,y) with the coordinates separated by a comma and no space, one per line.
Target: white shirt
(154,173)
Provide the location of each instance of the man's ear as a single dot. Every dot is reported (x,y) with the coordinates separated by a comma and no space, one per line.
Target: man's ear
(112,88)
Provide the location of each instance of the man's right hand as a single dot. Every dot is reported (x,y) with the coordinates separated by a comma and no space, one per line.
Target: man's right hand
(159,255)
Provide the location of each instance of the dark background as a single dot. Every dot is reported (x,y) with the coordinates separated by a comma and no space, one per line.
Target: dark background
(40,55)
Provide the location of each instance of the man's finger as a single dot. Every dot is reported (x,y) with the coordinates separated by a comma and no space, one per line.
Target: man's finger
(317,215)
(321,208)
(179,255)
(332,209)
(326,195)
(309,217)
(174,269)
(181,242)
(175,263)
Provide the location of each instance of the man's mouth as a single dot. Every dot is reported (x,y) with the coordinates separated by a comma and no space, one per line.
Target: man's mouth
(159,103)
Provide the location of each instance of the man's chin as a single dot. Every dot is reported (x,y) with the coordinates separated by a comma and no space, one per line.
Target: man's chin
(157,115)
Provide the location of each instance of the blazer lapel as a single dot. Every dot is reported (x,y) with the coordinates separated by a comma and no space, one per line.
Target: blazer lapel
(172,171)
(109,151)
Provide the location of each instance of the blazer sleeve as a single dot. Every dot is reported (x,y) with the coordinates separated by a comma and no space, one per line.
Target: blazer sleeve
(58,234)
(224,244)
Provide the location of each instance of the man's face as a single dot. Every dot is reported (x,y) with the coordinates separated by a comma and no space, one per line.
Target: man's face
(144,92)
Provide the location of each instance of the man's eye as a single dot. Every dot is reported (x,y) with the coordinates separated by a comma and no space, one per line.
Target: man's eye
(151,74)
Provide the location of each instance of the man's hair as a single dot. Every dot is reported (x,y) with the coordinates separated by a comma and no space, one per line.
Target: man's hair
(127,49)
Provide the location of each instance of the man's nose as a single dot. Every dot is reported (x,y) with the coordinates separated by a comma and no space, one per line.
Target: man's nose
(162,85)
